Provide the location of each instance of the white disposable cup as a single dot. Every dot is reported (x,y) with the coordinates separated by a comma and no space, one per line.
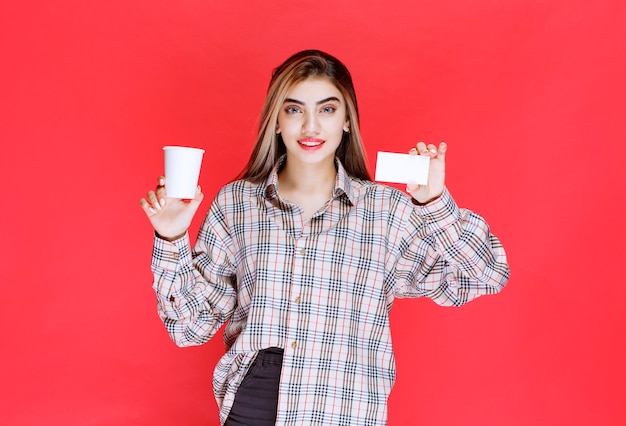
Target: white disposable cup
(182,170)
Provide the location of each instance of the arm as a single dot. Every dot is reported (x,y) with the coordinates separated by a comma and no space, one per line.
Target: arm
(195,290)
(450,255)
(195,293)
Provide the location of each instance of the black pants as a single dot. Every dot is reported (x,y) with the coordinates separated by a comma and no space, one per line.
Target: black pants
(256,400)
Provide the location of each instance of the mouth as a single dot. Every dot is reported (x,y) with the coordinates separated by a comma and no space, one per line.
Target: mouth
(310,142)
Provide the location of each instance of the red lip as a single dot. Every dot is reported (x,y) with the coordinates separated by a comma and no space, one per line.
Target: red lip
(311,144)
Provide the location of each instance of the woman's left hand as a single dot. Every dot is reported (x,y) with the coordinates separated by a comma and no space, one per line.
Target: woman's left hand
(436,172)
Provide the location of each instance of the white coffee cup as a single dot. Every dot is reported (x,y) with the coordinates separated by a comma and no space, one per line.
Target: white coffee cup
(182,170)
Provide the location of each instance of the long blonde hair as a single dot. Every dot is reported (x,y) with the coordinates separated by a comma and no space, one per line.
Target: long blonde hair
(269,146)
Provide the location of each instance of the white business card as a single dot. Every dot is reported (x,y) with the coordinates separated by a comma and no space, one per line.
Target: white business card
(402,168)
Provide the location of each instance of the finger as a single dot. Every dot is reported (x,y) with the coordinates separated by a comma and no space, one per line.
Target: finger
(160,189)
(199,195)
(413,151)
(441,152)
(146,207)
(431,150)
(160,193)
(411,187)
(423,149)
(152,198)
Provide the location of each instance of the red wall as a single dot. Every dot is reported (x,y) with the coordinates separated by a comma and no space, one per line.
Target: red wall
(529,96)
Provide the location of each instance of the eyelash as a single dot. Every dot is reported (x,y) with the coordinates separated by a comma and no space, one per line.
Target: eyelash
(328,109)
(292,110)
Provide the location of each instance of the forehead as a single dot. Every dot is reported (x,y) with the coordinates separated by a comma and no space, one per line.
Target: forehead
(314,89)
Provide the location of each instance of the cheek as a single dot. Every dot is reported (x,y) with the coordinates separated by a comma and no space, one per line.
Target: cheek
(339,124)
(288,126)
(287,121)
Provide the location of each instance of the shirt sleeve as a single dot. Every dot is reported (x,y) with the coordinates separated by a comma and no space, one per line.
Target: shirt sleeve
(449,255)
(194,289)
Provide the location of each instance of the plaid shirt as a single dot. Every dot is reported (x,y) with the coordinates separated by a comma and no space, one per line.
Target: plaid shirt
(321,290)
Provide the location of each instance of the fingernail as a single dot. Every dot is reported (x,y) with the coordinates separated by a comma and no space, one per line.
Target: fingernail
(151,210)
(433,151)
(162,202)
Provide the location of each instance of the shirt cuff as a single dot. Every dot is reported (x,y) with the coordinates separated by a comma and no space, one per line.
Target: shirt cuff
(171,255)
(440,213)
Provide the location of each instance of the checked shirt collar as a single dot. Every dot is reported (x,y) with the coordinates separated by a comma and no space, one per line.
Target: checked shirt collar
(343,184)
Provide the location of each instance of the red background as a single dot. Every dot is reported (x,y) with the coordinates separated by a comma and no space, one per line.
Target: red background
(529,96)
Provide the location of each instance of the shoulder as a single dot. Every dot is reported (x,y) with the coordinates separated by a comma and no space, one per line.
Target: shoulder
(381,202)
(237,192)
(240,188)
(368,191)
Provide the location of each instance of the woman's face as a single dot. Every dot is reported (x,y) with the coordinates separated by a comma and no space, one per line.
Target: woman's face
(312,120)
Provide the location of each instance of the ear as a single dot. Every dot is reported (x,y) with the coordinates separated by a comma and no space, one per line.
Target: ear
(346,126)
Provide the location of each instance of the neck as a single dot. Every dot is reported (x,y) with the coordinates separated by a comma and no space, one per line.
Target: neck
(308,178)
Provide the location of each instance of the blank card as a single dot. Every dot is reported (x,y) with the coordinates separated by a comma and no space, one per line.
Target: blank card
(402,168)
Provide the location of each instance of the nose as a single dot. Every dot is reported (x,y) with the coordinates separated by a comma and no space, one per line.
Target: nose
(310,124)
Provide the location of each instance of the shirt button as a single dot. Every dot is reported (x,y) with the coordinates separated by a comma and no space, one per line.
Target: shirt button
(175,256)
(294,345)
(298,300)
(302,252)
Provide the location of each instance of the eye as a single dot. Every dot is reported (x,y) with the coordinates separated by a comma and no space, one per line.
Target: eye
(292,109)
(328,109)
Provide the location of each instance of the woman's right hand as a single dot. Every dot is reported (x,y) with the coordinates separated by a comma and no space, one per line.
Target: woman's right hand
(170,217)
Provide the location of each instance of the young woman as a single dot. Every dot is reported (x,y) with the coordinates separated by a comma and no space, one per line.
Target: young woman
(303,256)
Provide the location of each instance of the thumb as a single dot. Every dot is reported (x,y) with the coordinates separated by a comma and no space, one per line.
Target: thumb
(198,198)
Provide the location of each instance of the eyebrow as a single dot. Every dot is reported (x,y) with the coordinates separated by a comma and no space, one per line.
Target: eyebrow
(295,101)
